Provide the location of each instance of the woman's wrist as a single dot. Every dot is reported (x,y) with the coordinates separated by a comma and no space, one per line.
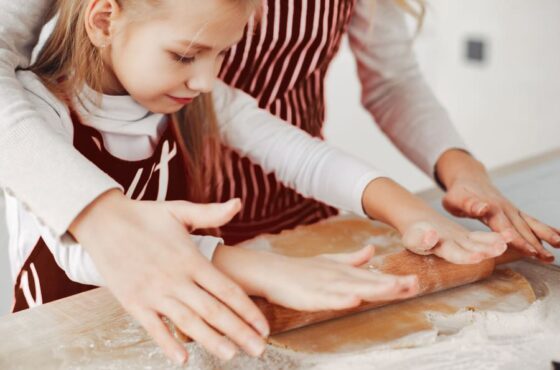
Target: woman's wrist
(99,209)
(455,164)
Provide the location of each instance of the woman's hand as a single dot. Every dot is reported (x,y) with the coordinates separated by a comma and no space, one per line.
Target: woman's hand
(424,230)
(144,252)
(327,282)
(470,193)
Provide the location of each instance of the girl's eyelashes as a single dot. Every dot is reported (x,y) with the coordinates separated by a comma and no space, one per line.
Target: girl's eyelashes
(182,58)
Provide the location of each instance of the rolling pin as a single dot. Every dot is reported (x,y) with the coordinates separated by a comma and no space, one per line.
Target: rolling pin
(434,275)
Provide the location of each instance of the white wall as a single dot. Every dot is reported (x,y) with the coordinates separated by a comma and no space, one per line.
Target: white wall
(506,109)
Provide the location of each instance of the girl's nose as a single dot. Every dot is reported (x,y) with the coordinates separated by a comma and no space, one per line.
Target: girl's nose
(202,80)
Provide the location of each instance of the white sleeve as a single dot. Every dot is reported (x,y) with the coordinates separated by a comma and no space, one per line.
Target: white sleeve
(306,164)
(393,88)
(79,267)
(30,149)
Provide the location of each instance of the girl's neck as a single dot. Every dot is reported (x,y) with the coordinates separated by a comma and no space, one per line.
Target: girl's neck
(110,84)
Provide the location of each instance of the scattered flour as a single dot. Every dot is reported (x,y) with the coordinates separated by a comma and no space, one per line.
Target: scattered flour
(529,339)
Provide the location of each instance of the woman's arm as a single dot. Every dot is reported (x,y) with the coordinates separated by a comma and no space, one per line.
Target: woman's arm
(393,88)
(31,152)
(395,93)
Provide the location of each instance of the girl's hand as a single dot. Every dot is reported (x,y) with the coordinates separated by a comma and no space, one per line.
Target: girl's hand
(470,193)
(424,230)
(450,241)
(327,282)
(145,254)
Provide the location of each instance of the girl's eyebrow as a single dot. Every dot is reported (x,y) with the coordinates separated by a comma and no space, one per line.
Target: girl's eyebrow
(193,45)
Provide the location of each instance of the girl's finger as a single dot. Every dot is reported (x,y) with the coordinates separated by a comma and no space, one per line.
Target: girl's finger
(192,325)
(420,238)
(489,249)
(162,336)
(356,258)
(543,231)
(454,253)
(375,276)
(222,319)
(216,283)
(487,237)
(398,288)
(333,301)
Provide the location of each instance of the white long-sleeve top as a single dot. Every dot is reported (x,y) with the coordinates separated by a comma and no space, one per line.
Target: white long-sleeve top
(393,91)
(131,132)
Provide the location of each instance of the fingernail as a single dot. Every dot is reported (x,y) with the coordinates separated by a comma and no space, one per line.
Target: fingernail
(431,238)
(233,202)
(501,247)
(533,250)
(480,207)
(556,239)
(180,357)
(227,351)
(262,328)
(256,347)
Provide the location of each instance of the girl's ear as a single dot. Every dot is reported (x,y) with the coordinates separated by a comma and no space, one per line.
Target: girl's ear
(100,18)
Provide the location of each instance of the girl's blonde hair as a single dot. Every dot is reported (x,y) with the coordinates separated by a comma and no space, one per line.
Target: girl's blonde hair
(69,60)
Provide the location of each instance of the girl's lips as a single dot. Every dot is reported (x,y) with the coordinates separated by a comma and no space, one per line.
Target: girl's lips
(182,101)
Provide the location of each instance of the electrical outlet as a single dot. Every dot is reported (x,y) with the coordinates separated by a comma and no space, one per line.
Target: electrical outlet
(475,50)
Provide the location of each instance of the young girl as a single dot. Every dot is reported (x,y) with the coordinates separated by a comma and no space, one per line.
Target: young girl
(128,83)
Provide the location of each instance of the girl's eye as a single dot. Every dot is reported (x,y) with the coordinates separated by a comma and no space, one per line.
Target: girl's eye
(224,52)
(182,58)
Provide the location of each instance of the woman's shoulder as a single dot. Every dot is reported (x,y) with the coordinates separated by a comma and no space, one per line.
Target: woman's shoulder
(55,112)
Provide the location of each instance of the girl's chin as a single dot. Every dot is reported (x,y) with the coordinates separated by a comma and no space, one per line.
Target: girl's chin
(164,108)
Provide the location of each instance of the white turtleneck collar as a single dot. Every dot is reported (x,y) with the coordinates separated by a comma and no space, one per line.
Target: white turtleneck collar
(130,131)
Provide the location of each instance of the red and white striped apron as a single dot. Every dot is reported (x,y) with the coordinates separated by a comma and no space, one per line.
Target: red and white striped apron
(282,64)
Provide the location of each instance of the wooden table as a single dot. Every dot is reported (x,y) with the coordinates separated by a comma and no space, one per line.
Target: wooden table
(64,334)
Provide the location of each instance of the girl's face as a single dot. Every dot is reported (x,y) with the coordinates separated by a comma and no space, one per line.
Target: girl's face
(167,58)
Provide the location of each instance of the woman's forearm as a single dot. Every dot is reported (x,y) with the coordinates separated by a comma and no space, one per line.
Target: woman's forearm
(455,164)
(37,166)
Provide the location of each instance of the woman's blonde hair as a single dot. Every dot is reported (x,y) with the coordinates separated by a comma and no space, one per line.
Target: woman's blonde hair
(69,60)
(416,8)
